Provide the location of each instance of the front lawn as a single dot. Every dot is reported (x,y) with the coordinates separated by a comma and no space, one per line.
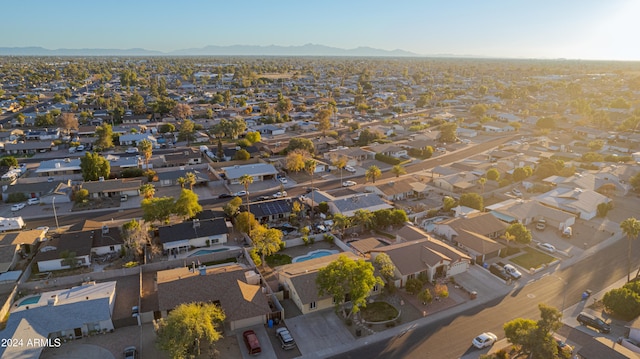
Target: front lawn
(378,312)
(532,258)
(278,259)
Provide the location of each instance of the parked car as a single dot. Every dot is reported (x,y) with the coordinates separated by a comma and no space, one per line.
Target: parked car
(241,193)
(283,180)
(516,192)
(124,198)
(547,247)
(252,343)
(589,320)
(224,195)
(567,232)
(132,150)
(17,207)
(32,201)
(264,198)
(311,189)
(484,340)
(280,194)
(286,340)
(441,149)
(135,311)
(541,225)
(80,148)
(350,169)
(348,183)
(130,353)
(512,271)
(499,272)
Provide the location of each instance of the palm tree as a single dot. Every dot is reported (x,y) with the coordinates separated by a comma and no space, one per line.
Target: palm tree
(190,178)
(310,166)
(341,222)
(147,190)
(372,173)
(482,181)
(340,162)
(631,228)
(398,170)
(182,181)
(146,149)
(363,217)
(246,180)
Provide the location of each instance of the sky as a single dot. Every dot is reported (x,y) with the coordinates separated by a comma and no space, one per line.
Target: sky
(546,29)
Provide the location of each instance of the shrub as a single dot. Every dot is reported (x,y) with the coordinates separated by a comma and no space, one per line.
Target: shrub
(442,290)
(130,264)
(255,257)
(622,302)
(81,195)
(328,238)
(425,296)
(132,172)
(388,159)
(16,197)
(413,286)
(423,277)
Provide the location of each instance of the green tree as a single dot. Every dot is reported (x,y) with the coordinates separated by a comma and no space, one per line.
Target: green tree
(94,166)
(363,218)
(472,200)
(188,327)
(187,206)
(246,180)
(105,137)
(187,131)
(266,241)
(372,173)
(341,223)
(521,233)
(69,259)
(300,143)
(323,117)
(634,181)
(482,181)
(521,333)
(398,170)
(385,267)
(546,123)
(448,203)
(631,228)
(493,174)
(81,195)
(425,296)
(413,286)
(136,104)
(242,155)
(623,302)
(232,207)
(448,132)
(167,128)
(245,221)
(146,149)
(8,161)
(347,276)
(147,190)
(533,339)
(295,160)
(157,209)
(253,137)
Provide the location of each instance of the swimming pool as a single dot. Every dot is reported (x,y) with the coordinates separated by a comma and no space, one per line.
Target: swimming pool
(314,254)
(207,251)
(30,300)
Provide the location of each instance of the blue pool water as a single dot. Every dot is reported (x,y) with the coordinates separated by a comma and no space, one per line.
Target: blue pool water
(207,251)
(30,300)
(315,254)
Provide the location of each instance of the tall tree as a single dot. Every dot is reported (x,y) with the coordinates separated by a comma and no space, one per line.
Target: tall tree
(340,162)
(521,233)
(347,276)
(341,223)
(385,267)
(146,149)
(448,132)
(533,338)
(187,205)
(372,173)
(181,111)
(398,170)
(246,180)
(266,241)
(105,137)
(157,209)
(136,236)
(68,121)
(253,137)
(189,326)
(310,167)
(323,117)
(147,190)
(631,228)
(300,143)
(472,200)
(295,160)
(364,218)
(94,166)
(187,131)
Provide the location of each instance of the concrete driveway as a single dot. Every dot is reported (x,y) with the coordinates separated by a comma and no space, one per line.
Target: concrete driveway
(318,331)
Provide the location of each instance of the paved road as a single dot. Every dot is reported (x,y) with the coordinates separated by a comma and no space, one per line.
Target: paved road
(451,336)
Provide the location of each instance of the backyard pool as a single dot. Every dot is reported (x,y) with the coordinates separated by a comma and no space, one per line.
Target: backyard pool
(314,254)
(30,300)
(207,251)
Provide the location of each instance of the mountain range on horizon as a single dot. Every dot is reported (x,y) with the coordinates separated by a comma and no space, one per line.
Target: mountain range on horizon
(214,50)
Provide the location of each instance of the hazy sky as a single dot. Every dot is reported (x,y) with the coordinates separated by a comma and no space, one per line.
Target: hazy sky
(584,29)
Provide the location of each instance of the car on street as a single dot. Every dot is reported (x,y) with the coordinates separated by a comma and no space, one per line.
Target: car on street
(283,180)
(286,340)
(130,353)
(311,189)
(224,195)
(484,340)
(589,320)
(350,169)
(264,198)
(512,271)
(241,193)
(541,225)
(32,201)
(348,183)
(547,247)
(131,150)
(18,206)
(280,194)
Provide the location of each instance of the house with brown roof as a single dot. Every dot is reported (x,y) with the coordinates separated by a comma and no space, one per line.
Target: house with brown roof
(244,303)
(13,245)
(113,188)
(53,254)
(528,212)
(183,158)
(423,257)
(476,233)
(394,190)
(299,282)
(456,182)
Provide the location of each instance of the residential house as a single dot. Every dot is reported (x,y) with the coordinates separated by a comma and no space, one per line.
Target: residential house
(113,188)
(354,155)
(394,190)
(183,158)
(456,182)
(348,205)
(179,237)
(475,234)
(387,149)
(299,282)
(242,300)
(325,143)
(58,316)
(61,194)
(363,247)
(58,167)
(425,257)
(170,178)
(56,253)
(529,212)
(28,147)
(14,245)
(42,135)
(580,202)
(133,139)
(269,130)
(119,164)
(35,189)
(271,211)
(259,172)
(590,181)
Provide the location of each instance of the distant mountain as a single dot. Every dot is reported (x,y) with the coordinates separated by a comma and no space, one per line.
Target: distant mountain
(233,50)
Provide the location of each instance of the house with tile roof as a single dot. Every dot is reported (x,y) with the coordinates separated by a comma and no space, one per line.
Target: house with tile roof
(196,233)
(423,257)
(394,190)
(475,233)
(577,201)
(113,188)
(456,182)
(244,303)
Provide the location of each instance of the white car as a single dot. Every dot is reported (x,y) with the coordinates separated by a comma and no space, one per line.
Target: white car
(283,180)
(17,207)
(32,201)
(484,340)
(132,150)
(350,169)
(348,183)
(512,271)
(516,192)
(547,247)
(280,194)
(241,193)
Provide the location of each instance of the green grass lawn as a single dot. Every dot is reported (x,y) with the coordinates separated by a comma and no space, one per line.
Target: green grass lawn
(278,259)
(378,312)
(532,258)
